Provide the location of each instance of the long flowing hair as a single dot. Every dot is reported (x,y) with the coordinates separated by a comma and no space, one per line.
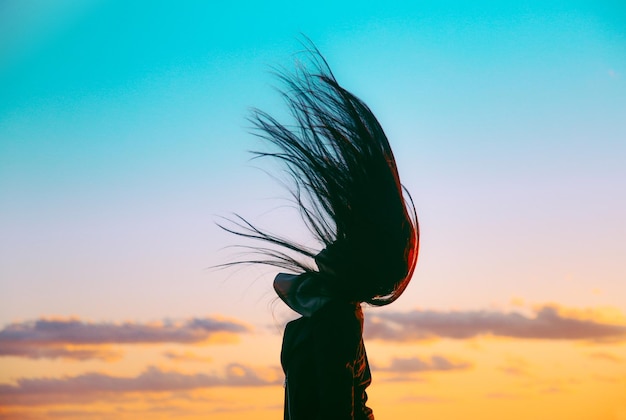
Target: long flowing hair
(345,183)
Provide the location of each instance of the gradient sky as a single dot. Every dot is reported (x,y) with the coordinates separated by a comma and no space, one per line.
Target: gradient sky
(123,138)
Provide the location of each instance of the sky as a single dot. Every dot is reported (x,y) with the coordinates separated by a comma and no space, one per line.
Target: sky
(124,138)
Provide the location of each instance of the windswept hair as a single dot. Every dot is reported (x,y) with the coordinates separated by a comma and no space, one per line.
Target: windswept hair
(346,186)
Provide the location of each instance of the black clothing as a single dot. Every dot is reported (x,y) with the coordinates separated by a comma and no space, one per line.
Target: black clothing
(326,366)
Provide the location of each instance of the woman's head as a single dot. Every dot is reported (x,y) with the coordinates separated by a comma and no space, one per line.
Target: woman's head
(346,186)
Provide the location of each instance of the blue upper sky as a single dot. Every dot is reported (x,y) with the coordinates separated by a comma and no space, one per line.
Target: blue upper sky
(122,124)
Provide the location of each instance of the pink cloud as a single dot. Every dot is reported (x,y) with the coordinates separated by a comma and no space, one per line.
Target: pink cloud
(45,338)
(547,323)
(417,364)
(91,387)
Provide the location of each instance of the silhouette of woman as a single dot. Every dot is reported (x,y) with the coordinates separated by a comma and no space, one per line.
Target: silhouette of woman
(347,189)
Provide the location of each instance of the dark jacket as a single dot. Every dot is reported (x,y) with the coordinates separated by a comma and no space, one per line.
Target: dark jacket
(326,366)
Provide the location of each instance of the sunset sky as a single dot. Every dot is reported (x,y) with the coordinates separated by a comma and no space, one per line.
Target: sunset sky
(123,139)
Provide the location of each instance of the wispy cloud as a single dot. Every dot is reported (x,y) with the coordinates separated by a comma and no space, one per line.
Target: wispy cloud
(425,399)
(547,322)
(503,396)
(186,357)
(608,357)
(403,369)
(55,351)
(515,366)
(76,339)
(417,364)
(91,387)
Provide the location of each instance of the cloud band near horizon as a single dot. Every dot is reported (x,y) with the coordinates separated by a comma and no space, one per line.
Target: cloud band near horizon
(92,386)
(548,323)
(81,340)
(45,338)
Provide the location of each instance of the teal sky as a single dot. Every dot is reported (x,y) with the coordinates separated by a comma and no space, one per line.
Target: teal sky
(123,134)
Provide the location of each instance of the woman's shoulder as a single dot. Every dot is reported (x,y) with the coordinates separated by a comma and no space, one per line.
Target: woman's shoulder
(337,329)
(341,306)
(339,313)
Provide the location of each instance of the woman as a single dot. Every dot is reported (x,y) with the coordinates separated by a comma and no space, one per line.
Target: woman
(347,189)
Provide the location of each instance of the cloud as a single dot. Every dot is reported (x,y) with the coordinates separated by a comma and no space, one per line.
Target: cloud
(609,357)
(502,396)
(548,323)
(514,370)
(91,387)
(515,366)
(54,351)
(76,339)
(424,399)
(417,364)
(609,379)
(186,357)
(79,414)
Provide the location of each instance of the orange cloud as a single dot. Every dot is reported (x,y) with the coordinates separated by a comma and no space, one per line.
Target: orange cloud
(424,399)
(609,357)
(515,366)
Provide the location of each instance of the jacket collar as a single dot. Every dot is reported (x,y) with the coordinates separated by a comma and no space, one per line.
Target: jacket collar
(303,293)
